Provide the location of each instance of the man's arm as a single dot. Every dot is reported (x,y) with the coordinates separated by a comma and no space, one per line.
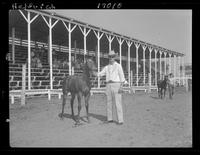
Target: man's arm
(102,73)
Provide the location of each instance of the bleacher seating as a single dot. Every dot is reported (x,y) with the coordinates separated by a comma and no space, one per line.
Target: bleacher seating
(40,77)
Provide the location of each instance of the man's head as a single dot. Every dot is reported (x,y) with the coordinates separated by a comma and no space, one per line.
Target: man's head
(112,56)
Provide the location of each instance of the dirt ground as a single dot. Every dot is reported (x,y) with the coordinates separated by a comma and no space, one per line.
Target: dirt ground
(148,122)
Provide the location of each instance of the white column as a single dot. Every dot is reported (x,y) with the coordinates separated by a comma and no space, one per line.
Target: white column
(160,65)
(110,39)
(144,48)
(50,25)
(13,45)
(129,43)
(170,64)
(179,70)
(150,50)
(69,29)
(137,46)
(165,62)
(85,33)
(99,36)
(29,51)
(29,21)
(183,64)
(174,65)
(23,94)
(120,41)
(69,54)
(156,66)
(50,53)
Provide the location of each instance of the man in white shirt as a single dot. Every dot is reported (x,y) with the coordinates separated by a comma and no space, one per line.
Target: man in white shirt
(114,79)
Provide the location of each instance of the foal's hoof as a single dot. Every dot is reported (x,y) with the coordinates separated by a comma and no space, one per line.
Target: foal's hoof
(78,123)
(88,120)
(73,117)
(61,117)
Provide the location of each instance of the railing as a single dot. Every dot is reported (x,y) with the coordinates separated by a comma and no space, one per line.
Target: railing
(40,81)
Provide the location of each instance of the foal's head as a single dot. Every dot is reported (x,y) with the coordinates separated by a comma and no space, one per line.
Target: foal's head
(166,77)
(90,67)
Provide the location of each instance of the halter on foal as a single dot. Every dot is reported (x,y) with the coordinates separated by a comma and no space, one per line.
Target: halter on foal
(162,86)
(80,86)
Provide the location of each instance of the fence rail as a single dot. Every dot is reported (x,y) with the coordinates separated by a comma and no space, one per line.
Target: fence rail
(40,82)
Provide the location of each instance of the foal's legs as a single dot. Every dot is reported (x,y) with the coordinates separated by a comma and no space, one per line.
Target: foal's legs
(79,106)
(63,104)
(164,92)
(72,105)
(170,91)
(87,97)
(158,92)
(161,93)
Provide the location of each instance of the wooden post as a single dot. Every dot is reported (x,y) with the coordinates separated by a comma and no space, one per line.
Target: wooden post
(72,70)
(131,79)
(13,45)
(129,43)
(144,48)
(49,95)
(75,51)
(137,45)
(120,41)
(149,78)
(156,80)
(98,53)
(150,50)
(23,95)
(160,65)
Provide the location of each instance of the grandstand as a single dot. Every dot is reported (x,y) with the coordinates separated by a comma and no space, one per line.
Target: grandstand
(61,44)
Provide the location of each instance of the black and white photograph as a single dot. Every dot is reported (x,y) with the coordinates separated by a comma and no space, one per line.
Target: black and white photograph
(100,78)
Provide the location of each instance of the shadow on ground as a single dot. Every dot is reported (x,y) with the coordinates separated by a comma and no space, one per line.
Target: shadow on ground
(96,116)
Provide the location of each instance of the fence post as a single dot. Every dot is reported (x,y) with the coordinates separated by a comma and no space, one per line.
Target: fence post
(72,70)
(131,78)
(149,76)
(186,84)
(23,95)
(49,95)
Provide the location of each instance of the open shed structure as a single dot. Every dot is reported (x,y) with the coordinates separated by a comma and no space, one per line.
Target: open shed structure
(56,38)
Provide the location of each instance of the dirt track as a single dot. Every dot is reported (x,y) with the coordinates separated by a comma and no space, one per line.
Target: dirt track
(149,122)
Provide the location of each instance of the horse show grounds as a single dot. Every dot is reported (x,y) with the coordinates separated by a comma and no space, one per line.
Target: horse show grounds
(148,122)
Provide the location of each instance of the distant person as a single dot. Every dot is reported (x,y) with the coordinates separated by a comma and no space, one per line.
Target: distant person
(39,63)
(65,64)
(55,64)
(33,60)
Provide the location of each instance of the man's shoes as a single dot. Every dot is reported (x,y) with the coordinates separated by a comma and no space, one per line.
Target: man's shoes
(111,121)
(120,123)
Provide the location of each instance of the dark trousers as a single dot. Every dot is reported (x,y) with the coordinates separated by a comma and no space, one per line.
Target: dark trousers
(171,90)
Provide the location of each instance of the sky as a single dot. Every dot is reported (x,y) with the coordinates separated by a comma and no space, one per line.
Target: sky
(171,29)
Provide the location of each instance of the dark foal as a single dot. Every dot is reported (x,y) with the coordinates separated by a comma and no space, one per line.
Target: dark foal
(80,86)
(162,86)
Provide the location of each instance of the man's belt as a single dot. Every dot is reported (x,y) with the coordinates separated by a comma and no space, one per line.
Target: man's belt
(110,81)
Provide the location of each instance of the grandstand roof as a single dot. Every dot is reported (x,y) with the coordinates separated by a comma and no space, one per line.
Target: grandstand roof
(40,31)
